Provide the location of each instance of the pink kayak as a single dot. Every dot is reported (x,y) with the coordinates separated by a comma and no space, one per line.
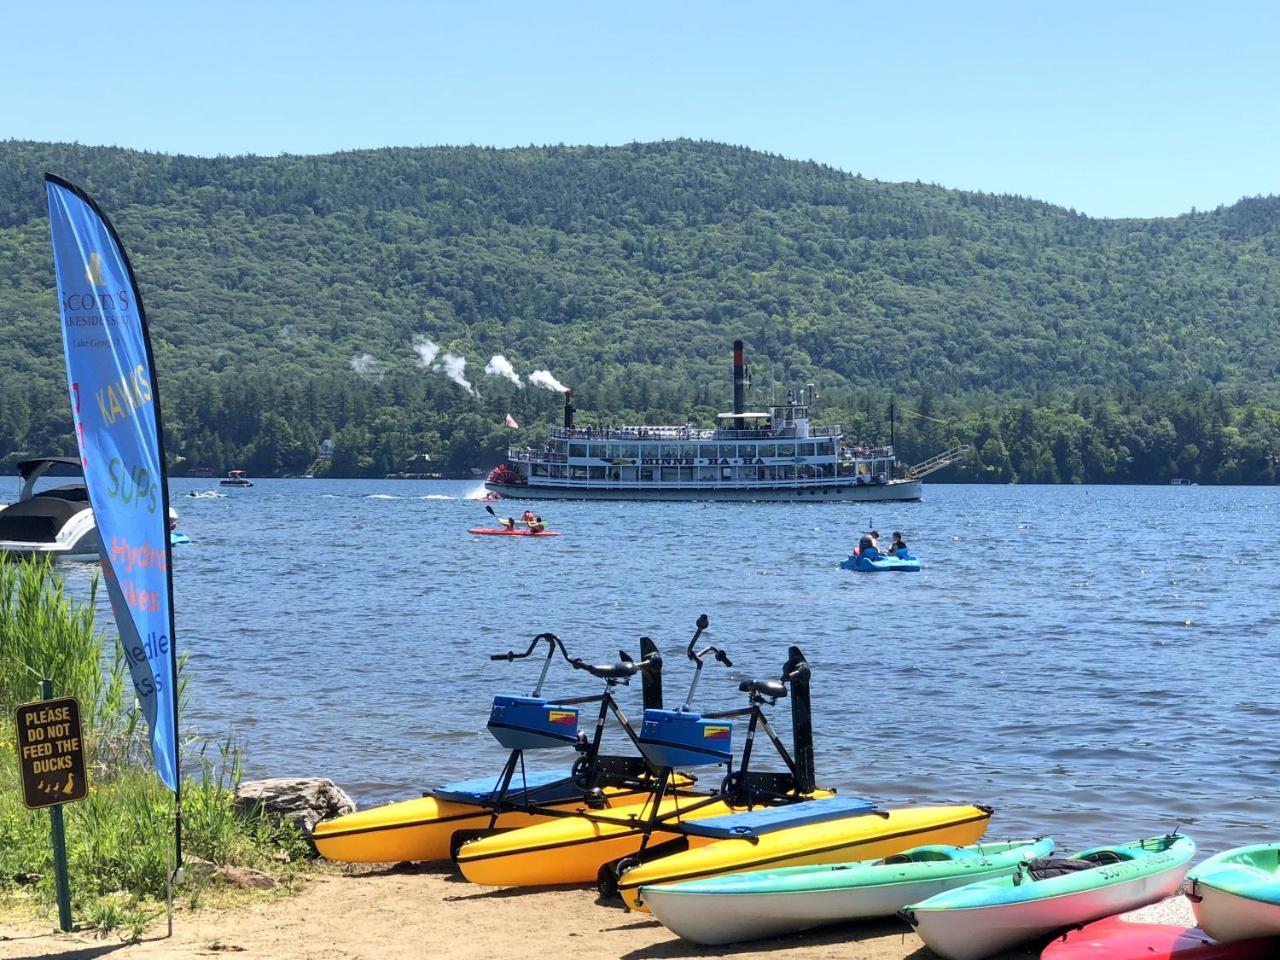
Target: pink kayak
(490,532)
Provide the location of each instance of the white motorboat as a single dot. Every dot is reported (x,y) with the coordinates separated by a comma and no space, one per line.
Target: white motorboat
(56,522)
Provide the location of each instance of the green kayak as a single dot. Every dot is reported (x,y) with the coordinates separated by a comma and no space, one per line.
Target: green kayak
(1236,895)
(1041,897)
(766,903)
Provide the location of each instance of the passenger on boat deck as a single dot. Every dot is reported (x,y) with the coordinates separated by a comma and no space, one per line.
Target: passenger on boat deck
(899,545)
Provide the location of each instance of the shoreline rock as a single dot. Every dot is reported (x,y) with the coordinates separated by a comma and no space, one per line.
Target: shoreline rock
(302,801)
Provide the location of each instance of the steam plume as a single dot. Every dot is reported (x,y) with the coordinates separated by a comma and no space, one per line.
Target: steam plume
(544,379)
(500,366)
(368,366)
(454,366)
(426,351)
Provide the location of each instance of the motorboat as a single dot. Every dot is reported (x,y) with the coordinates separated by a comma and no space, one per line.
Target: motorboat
(236,478)
(57,522)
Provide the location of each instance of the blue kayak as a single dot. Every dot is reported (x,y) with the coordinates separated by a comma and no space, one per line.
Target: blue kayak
(885,563)
(176,538)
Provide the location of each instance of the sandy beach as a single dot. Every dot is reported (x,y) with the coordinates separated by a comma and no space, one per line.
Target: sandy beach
(397,913)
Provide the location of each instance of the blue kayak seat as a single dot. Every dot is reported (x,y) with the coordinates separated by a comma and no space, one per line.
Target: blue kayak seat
(768,819)
(543,786)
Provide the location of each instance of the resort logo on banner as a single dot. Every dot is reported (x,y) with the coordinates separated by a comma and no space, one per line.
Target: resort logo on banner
(115,408)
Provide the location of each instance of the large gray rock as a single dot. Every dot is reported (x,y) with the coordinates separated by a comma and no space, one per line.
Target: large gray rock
(304,801)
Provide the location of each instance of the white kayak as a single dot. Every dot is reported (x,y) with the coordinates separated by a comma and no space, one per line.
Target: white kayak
(1236,895)
(1041,897)
(767,903)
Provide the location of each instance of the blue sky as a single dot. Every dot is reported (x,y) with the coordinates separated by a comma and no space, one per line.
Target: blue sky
(1116,109)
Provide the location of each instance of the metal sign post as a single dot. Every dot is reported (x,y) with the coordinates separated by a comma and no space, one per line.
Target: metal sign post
(51,762)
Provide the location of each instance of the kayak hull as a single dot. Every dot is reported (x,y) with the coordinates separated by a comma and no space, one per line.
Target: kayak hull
(490,532)
(866,836)
(1236,894)
(772,902)
(983,919)
(883,565)
(424,828)
(568,850)
(1118,939)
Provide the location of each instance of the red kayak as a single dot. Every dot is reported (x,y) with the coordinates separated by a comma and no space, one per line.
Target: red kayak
(1116,939)
(490,532)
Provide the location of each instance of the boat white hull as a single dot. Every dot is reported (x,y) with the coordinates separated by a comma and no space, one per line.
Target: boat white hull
(731,917)
(1229,916)
(896,491)
(978,932)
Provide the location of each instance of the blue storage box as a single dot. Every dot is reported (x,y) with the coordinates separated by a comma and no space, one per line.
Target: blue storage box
(531,723)
(671,738)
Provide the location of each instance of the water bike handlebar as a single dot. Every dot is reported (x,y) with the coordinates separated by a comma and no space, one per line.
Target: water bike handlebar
(550,638)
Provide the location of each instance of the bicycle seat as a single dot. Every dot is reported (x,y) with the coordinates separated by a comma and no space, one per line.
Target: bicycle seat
(609,671)
(774,689)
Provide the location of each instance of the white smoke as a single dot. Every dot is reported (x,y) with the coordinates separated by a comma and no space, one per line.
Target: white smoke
(500,366)
(544,379)
(454,367)
(368,366)
(426,351)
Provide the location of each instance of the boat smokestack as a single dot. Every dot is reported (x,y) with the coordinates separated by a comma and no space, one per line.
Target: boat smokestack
(739,381)
(568,409)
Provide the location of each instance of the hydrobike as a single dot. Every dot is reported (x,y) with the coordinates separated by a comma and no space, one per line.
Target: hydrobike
(755,819)
(432,826)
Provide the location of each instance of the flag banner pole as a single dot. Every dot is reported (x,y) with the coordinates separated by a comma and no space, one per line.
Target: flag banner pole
(115,405)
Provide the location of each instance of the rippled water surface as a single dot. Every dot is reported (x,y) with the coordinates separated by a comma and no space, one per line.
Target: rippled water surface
(1098,663)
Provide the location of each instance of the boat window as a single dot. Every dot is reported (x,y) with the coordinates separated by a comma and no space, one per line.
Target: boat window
(689,451)
(629,450)
(561,446)
(577,449)
(577,473)
(726,473)
(598,451)
(646,474)
(596,473)
(805,450)
(786,449)
(670,474)
(628,474)
(787,472)
(768,450)
(747,451)
(539,470)
(826,448)
(686,474)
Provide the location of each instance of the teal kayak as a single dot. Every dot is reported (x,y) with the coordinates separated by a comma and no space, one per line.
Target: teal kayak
(767,903)
(885,563)
(1236,895)
(1044,896)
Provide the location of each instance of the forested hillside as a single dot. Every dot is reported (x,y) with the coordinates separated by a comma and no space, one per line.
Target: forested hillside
(287,295)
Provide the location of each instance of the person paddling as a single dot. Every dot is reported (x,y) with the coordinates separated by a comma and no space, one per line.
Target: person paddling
(899,548)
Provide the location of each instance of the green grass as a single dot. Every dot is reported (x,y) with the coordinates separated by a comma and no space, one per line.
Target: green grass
(119,838)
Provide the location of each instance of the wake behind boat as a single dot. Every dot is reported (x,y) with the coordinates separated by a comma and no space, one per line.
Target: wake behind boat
(775,455)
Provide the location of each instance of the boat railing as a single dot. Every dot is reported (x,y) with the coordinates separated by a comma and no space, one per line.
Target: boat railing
(633,433)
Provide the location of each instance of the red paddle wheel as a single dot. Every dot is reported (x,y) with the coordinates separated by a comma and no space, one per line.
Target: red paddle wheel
(507,475)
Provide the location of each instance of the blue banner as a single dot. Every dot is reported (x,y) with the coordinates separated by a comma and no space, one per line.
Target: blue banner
(115,407)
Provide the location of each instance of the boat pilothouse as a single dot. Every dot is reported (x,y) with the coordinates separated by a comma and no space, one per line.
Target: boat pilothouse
(778,454)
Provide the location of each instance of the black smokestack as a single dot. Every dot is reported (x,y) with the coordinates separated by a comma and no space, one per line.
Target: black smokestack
(568,409)
(739,380)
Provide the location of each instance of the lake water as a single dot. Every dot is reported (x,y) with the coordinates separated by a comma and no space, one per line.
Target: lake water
(1097,663)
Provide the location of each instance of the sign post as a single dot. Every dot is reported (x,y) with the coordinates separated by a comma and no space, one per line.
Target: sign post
(51,761)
